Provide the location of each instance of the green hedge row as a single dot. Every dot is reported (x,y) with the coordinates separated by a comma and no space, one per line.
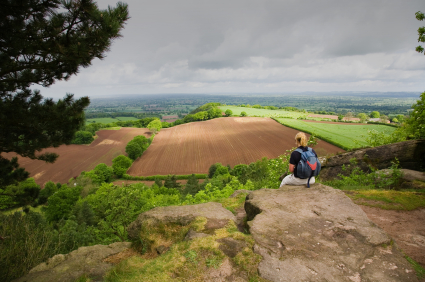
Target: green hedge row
(318,136)
(163,177)
(381,123)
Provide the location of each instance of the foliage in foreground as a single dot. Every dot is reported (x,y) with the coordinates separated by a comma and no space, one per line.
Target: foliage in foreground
(90,211)
(186,260)
(65,36)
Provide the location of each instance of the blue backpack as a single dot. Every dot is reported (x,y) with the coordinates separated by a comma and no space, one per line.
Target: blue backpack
(308,166)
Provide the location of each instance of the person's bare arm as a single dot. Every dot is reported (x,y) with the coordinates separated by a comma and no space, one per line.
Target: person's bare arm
(291,168)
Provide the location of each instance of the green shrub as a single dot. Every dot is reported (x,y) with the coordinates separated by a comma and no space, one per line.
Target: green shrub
(171,182)
(212,169)
(21,194)
(137,146)
(28,241)
(158,182)
(192,186)
(221,170)
(133,150)
(142,141)
(101,173)
(82,137)
(120,165)
(155,126)
(241,172)
(49,189)
(61,203)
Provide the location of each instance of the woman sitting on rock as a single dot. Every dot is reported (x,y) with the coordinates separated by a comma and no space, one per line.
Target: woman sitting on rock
(293,179)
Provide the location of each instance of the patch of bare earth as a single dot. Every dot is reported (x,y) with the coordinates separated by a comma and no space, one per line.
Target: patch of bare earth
(73,159)
(407,228)
(194,147)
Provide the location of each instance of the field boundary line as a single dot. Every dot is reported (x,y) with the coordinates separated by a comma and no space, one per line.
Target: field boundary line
(317,135)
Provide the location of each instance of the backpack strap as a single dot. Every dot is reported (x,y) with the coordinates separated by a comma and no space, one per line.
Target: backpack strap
(308,181)
(299,150)
(312,172)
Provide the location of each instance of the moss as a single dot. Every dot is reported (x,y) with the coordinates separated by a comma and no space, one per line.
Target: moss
(388,199)
(235,203)
(83,278)
(186,260)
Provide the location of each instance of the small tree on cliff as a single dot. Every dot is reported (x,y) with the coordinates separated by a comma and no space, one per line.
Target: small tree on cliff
(43,41)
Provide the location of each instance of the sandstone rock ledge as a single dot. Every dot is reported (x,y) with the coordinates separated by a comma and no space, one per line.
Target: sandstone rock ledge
(411,155)
(319,234)
(216,215)
(69,267)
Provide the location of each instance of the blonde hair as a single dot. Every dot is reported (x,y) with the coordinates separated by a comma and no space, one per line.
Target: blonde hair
(301,139)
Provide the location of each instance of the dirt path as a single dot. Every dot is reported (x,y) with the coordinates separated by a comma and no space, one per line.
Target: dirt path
(407,228)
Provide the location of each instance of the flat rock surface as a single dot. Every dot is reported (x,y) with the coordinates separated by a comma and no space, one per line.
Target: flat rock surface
(319,234)
(217,216)
(406,227)
(69,267)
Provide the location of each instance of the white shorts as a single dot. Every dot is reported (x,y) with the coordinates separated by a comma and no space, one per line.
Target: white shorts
(292,180)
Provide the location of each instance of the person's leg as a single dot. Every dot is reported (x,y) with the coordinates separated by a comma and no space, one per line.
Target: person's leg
(292,180)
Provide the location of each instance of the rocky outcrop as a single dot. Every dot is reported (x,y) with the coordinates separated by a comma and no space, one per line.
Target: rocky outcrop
(319,234)
(411,155)
(412,175)
(87,261)
(217,216)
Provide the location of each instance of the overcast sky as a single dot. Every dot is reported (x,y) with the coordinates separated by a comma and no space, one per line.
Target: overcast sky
(241,46)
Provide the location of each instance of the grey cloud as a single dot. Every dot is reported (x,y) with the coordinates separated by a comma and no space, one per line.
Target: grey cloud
(243,41)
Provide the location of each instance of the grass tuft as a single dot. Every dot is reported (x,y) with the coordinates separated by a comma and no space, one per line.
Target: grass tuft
(388,199)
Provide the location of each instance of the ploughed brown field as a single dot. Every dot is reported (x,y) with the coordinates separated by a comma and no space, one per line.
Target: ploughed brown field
(194,147)
(73,159)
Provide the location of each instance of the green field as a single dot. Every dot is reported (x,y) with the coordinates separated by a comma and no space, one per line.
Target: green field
(252,112)
(346,136)
(109,120)
(126,118)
